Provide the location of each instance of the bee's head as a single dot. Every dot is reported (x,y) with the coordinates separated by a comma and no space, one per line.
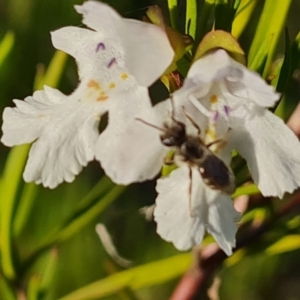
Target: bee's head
(174,135)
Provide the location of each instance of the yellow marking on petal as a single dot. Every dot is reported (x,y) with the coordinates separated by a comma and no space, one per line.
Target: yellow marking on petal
(213,99)
(124,76)
(94,84)
(102,98)
(111,85)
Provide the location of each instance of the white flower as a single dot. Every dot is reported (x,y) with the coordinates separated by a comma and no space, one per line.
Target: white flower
(118,59)
(232,96)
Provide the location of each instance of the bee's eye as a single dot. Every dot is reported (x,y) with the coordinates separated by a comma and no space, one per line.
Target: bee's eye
(169,141)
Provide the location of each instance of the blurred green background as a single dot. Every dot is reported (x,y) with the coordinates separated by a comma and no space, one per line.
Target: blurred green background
(78,258)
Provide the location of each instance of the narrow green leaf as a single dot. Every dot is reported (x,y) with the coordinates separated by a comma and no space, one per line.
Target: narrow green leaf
(9,186)
(34,287)
(173,11)
(202,20)
(66,231)
(258,63)
(243,16)
(83,220)
(6,46)
(7,291)
(135,278)
(286,244)
(270,26)
(49,271)
(54,71)
(191,17)
(223,15)
(25,204)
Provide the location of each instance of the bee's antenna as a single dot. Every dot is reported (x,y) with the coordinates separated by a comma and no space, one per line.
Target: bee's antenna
(191,120)
(149,124)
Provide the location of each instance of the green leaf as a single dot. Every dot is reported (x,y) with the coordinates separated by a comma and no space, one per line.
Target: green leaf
(6,46)
(135,278)
(74,224)
(202,20)
(286,244)
(53,73)
(172,5)
(34,287)
(286,72)
(223,15)
(220,39)
(191,17)
(10,181)
(243,16)
(258,63)
(270,26)
(26,201)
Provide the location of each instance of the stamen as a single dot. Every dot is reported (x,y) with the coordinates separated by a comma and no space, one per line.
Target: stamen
(112,62)
(199,106)
(226,110)
(215,116)
(100,46)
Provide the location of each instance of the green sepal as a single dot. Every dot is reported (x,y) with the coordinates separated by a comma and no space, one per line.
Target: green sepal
(181,43)
(220,39)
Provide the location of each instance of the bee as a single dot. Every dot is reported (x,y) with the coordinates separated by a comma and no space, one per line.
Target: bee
(191,149)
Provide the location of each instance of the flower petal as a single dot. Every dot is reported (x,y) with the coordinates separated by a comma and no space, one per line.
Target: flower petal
(240,81)
(97,56)
(211,211)
(24,123)
(146,46)
(271,150)
(129,150)
(66,131)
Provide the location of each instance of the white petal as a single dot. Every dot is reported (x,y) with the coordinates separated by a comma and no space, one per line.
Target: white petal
(272,152)
(66,131)
(24,123)
(129,150)
(239,80)
(211,211)
(93,52)
(147,49)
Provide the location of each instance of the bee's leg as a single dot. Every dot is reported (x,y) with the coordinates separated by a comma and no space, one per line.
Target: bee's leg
(192,121)
(190,192)
(221,143)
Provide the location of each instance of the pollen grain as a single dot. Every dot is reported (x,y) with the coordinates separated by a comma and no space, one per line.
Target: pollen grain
(124,76)
(213,99)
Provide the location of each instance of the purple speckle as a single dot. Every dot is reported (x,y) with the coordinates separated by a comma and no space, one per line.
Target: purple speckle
(100,46)
(226,110)
(215,116)
(112,62)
